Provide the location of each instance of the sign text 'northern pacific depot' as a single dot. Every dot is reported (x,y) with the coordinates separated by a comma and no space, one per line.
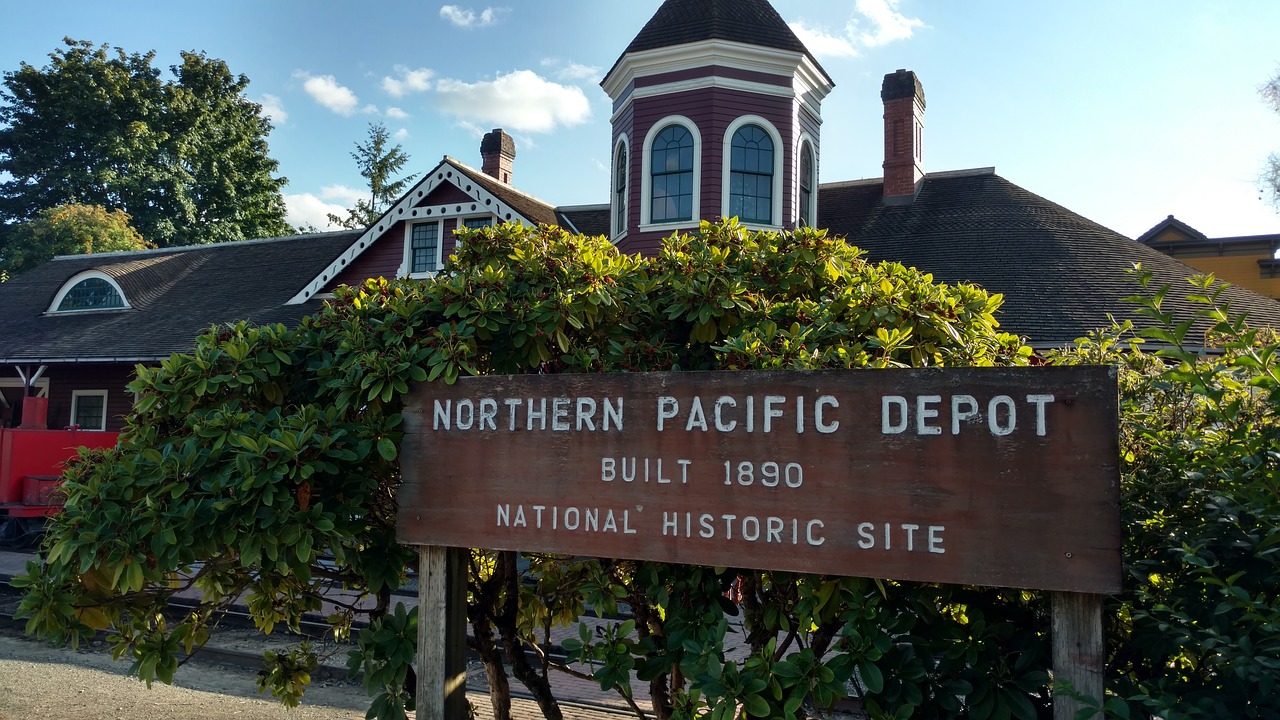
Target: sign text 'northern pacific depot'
(988,476)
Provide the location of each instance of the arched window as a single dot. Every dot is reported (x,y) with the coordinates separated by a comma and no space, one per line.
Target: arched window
(90,290)
(671,175)
(751,175)
(806,185)
(620,191)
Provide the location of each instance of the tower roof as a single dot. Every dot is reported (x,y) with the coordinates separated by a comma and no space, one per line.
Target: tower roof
(752,22)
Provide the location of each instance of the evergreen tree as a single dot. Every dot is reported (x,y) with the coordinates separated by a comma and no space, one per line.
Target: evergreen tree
(185,158)
(378,164)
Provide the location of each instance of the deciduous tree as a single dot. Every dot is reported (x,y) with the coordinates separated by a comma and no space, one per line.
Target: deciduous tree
(1271,174)
(70,230)
(186,158)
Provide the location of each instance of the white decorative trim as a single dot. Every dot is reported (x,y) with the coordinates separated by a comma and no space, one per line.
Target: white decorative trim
(449,171)
(646,180)
(75,400)
(616,233)
(779,149)
(42,386)
(79,278)
(809,85)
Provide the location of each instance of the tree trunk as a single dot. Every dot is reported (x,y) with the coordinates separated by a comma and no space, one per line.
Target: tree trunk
(508,627)
(480,613)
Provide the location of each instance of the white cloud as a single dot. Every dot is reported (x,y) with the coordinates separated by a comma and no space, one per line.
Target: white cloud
(408,80)
(519,101)
(401,134)
(396,113)
(876,23)
(273,109)
(468,18)
(325,90)
(574,71)
(825,45)
(369,109)
(887,24)
(302,209)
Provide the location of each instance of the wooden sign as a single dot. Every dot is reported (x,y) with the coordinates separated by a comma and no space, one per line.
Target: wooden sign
(982,476)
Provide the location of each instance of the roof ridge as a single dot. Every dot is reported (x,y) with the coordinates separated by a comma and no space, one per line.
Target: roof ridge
(204,246)
(483,177)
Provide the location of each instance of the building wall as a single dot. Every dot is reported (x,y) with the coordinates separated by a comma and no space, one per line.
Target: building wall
(66,379)
(712,110)
(1239,270)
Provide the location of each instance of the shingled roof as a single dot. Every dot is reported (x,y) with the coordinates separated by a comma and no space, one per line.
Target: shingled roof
(1061,274)
(752,22)
(174,295)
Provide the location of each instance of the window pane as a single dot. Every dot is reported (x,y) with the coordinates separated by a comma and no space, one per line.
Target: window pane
(806,185)
(88,412)
(671,167)
(424,248)
(91,294)
(751,175)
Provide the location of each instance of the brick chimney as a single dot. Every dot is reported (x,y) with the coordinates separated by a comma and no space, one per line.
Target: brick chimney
(903,98)
(498,154)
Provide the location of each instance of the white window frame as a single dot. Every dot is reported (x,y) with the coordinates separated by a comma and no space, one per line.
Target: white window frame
(75,401)
(623,145)
(408,248)
(81,277)
(727,172)
(813,198)
(646,187)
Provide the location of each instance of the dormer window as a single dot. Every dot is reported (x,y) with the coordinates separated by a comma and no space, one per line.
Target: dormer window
(90,290)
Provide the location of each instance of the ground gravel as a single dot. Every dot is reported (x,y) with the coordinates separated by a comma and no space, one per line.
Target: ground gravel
(38,681)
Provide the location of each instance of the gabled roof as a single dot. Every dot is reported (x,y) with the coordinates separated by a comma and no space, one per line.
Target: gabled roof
(174,294)
(1171,223)
(1061,274)
(751,22)
(488,194)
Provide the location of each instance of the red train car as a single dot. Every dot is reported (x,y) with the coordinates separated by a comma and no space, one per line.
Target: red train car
(31,460)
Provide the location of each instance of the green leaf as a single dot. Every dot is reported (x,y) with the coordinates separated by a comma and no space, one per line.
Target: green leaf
(387,449)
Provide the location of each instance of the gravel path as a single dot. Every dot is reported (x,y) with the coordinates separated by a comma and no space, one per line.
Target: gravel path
(37,681)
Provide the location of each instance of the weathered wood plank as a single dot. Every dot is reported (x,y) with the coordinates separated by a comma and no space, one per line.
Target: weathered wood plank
(1079,651)
(990,476)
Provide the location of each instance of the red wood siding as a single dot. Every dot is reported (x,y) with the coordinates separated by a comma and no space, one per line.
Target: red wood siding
(713,110)
(382,259)
(445,193)
(715,71)
(112,377)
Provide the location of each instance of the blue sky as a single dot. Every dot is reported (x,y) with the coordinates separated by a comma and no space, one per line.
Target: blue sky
(1124,112)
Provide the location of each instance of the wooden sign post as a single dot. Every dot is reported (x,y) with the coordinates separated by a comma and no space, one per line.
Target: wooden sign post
(981,476)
